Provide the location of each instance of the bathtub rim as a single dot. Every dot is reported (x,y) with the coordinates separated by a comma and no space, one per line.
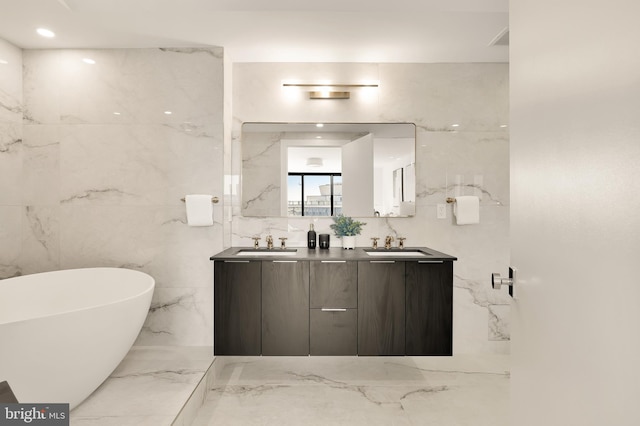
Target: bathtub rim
(146,290)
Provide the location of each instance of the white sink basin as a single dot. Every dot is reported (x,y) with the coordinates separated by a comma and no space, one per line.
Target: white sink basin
(266,253)
(408,253)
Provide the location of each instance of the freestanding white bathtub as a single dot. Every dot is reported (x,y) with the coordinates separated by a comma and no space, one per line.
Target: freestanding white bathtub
(62,333)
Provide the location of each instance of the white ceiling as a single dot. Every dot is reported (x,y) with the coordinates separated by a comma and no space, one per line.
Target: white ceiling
(271,30)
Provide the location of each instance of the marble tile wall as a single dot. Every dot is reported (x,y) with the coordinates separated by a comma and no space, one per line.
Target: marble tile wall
(96,177)
(82,186)
(11,158)
(469,159)
(261,164)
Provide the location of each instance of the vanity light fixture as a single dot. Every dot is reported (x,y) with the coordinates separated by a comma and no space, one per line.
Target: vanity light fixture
(46,33)
(329,95)
(314,162)
(328,85)
(330,90)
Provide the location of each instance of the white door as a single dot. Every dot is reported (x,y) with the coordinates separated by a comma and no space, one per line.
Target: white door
(357,177)
(575,212)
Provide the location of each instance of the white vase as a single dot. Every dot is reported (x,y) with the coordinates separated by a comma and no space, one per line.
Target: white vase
(349,242)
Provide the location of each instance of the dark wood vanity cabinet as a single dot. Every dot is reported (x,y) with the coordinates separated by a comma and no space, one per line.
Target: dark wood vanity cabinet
(381,308)
(334,302)
(429,308)
(285,307)
(237,305)
(334,306)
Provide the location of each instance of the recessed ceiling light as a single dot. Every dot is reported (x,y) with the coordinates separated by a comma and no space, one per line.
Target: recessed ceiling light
(314,162)
(455,125)
(168,112)
(318,137)
(503,126)
(116,113)
(45,32)
(89,61)
(319,125)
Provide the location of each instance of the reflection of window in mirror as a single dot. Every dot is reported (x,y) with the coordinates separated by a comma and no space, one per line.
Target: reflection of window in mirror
(314,181)
(314,194)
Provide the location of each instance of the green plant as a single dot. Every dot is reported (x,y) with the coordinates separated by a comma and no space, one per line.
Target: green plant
(345,226)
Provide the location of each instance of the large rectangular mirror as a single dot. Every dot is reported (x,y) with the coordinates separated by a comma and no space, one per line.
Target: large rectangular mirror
(325,169)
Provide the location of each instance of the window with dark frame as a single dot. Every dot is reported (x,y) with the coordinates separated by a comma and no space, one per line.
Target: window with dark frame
(314,194)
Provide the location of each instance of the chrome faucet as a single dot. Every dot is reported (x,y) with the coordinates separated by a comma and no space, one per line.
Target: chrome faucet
(401,242)
(269,242)
(375,242)
(387,242)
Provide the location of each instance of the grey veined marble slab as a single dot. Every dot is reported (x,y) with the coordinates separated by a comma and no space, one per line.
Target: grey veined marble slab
(359,391)
(149,387)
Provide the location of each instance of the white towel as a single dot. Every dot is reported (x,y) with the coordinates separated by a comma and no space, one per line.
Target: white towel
(467,210)
(199,210)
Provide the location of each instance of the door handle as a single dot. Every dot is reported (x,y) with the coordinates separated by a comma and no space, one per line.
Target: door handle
(497,281)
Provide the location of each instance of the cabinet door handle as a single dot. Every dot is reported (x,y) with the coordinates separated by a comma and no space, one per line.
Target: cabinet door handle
(430,261)
(334,310)
(236,261)
(382,261)
(284,261)
(333,261)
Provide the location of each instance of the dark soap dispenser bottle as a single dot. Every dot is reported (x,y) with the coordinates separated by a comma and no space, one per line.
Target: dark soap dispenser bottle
(311,238)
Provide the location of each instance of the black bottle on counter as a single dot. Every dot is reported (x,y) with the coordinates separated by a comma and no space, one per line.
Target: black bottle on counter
(311,238)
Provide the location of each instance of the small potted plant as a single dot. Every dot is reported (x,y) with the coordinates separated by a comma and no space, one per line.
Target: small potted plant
(347,229)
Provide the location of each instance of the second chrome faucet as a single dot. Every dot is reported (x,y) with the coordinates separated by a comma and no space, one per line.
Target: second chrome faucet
(387,242)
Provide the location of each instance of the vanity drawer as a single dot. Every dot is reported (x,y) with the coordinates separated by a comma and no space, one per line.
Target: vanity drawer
(333,331)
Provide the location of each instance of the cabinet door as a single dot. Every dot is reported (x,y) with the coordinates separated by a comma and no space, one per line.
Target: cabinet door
(334,284)
(285,308)
(381,305)
(236,312)
(429,308)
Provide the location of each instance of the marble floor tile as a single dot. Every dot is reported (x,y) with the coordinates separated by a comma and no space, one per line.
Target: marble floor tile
(149,387)
(122,421)
(465,390)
